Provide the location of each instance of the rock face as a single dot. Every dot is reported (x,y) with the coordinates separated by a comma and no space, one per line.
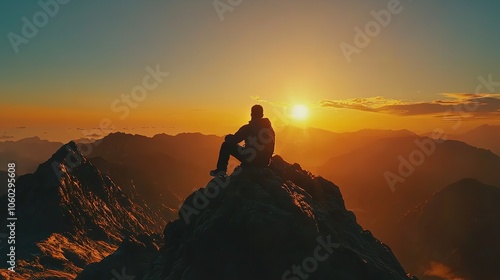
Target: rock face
(270,223)
(70,215)
(129,261)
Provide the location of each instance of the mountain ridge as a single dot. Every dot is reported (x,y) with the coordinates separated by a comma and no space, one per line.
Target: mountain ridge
(70,215)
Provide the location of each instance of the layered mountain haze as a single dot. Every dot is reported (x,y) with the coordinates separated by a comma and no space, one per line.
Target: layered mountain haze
(70,215)
(458,228)
(313,147)
(366,176)
(485,136)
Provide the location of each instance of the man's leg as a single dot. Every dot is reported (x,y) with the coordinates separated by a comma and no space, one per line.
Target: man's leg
(226,150)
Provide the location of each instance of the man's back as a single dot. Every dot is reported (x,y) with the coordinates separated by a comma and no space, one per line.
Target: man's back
(259,139)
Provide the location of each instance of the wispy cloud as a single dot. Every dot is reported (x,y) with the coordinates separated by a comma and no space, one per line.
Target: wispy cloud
(6,137)
(369,104)
(260,100)
(476,105)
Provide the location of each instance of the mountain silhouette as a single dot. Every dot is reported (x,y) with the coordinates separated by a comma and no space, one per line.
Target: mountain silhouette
(484,136)
(260,223)
(27,153)
(458,228)
(3,180)
(70,215)
(360,175)
(313,147)
(163,162)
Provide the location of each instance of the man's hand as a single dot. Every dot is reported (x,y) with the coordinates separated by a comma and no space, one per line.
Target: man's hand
(229,138)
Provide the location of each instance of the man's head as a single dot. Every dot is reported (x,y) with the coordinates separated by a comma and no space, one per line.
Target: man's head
(257,112)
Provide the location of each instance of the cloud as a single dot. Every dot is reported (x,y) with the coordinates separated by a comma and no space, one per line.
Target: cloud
(463,104)
(442,271)
(20,127)
(370,104)
(94,135)
(103,128)
(5,137)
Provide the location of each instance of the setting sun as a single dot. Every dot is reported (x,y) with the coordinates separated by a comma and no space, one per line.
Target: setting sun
(299,112)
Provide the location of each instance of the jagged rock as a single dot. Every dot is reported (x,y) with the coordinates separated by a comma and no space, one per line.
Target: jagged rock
(70,215)
(270,223)
(129,261)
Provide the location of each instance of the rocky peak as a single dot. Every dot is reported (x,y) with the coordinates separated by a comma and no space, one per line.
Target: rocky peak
(270,223)
(70,214)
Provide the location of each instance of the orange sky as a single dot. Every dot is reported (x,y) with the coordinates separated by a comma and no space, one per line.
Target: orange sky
(151,68)
(63,124)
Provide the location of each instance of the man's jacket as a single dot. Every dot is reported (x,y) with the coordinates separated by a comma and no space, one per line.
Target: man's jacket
(259,139)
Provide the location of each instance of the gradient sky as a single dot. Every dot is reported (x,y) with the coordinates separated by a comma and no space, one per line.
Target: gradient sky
(63,81)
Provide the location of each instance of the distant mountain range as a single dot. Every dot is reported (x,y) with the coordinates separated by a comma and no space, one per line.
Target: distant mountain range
(177,163)
(485,136)
(314,147)
(363,176)
(27,153)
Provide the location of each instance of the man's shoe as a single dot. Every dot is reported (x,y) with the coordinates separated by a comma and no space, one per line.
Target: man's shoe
(218,173)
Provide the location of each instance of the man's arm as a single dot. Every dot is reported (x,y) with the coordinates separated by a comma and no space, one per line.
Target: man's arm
(239,136)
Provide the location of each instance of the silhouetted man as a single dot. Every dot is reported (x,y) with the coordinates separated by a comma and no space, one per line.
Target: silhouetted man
(259,139)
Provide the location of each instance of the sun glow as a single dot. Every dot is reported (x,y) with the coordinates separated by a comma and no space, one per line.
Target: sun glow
(299,112)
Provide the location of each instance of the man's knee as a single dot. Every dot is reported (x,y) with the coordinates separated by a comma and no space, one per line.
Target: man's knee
(228,145)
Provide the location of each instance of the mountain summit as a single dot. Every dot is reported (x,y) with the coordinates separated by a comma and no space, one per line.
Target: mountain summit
(270,223)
